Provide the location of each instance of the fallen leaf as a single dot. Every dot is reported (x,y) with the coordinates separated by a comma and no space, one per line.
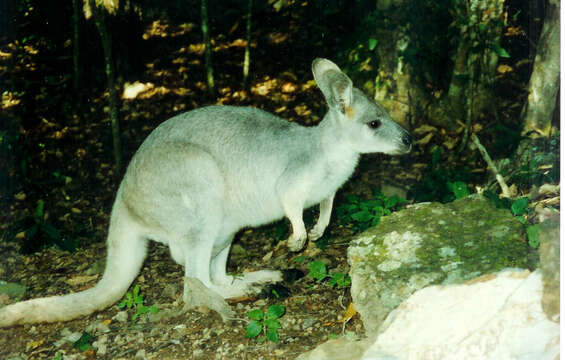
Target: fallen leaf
(34,344)
(503,69)
(424,129)
(349,312)
(425,140)
(20,196)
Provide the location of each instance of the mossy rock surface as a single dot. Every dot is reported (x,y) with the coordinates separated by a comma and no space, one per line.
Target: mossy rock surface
(431,243)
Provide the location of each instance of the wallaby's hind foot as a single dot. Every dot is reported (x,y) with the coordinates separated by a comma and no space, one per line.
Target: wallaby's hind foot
(234,286)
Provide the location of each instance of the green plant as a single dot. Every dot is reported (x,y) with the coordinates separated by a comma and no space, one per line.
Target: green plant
(84,342)
(367,213)
(265,322)
(41,233)
(319,272)
(134,299)
(519,208)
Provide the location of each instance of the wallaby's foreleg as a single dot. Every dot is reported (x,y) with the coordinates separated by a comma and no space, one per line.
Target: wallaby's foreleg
(323,219)
(293,209)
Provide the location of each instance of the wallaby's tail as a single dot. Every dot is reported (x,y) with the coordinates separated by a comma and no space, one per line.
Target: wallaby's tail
(126,252)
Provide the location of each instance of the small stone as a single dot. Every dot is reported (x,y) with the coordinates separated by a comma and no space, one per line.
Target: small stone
(140,355)
(121,316)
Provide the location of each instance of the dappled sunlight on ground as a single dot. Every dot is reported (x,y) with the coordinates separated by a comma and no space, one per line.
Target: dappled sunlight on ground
(161,29)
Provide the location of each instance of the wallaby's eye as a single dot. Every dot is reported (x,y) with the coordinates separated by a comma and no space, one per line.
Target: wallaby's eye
(375,124)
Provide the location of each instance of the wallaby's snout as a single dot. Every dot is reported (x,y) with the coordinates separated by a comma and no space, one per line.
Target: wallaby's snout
(406,142)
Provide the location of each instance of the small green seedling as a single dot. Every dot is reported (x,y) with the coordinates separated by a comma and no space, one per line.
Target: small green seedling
(266,323)
(134,299)
(319,272)
(84,342)
(520,208)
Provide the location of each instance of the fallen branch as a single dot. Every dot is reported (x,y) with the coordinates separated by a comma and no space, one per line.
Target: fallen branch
(490,163)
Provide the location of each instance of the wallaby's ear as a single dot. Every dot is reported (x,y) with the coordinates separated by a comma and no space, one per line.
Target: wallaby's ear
(335,85)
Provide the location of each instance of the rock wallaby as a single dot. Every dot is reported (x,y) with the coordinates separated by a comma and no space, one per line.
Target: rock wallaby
(201,176)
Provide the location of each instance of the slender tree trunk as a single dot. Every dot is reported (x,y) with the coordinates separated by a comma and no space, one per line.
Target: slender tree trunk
(544,82)
(76,69)
(246,58)
(208,47)
(8,20)
(99,19)
(475,69)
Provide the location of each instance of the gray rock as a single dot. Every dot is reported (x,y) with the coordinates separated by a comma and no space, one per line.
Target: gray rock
(430,243)
(550,266)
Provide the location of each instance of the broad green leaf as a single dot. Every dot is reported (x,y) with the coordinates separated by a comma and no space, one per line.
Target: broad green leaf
(532,231)
(39,213)
(272,335)
(274,312)
(340,279)
(255,314)
(458,188)
(318,270)
(153,309)
(135,291)
(272,324)
(361,216)
(519,206)
(253,329)
(83,343)
(139,299)
(499,51)
(373,43)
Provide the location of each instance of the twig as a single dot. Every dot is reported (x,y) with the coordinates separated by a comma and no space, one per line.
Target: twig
(490,163)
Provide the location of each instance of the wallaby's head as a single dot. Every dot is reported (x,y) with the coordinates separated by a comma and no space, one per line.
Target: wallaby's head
(365,124)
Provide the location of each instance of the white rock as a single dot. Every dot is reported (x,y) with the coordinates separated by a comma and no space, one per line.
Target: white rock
(493,317)
(496,317)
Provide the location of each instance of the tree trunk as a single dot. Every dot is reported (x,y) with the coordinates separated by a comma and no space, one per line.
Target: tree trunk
(8,20)
(544,82)
(208,48)
(76,68)
(246,58)
(99,19)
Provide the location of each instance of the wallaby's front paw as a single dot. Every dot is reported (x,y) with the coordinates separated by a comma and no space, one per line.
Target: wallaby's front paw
(296,241)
